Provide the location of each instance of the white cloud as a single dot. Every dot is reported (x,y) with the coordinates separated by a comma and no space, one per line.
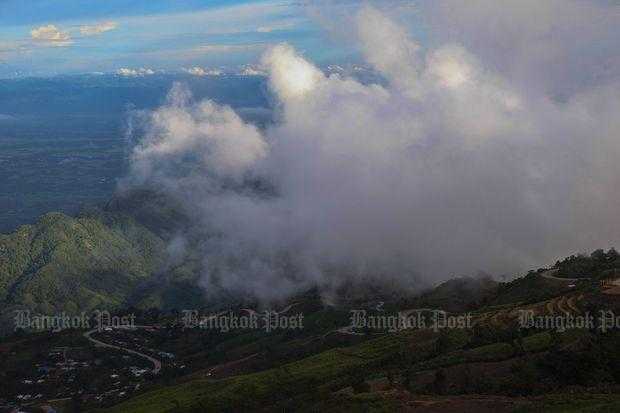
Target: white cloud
(448,167)
(95,29)
(200,71)
(215,132)
(135,72)
(559,45)
(388,47)
(451,67)
(252,70)
(291,75)
(51,35)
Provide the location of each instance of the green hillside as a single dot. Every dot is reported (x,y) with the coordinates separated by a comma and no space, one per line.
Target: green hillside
(452,370)
(76,264)
(492,366)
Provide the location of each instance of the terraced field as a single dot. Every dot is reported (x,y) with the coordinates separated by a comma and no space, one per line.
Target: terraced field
(561,305)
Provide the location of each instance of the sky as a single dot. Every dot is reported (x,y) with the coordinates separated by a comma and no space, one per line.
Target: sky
(51,37)
(491,142)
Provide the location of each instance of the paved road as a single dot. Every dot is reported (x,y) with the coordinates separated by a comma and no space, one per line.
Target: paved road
(550,274)
(156,363)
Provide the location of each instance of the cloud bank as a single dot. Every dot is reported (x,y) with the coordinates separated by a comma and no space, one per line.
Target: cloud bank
(201,71)
(452,166)
(128,72)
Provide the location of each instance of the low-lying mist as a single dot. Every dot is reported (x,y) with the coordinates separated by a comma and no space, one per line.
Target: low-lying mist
(449,168)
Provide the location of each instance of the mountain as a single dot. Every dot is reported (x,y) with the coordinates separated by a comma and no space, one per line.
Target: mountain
(107,258)
(66,264)
(494,365)
(493,362)
(118,257)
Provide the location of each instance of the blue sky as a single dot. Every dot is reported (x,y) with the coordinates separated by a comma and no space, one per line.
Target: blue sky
(51,37)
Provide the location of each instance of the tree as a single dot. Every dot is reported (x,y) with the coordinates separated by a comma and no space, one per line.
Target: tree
(598,255)
(442,343)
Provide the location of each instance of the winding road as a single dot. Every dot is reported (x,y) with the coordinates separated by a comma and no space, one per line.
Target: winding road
(156,363)
(255,313)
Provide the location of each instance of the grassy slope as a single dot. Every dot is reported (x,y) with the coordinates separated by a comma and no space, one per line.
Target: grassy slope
(325,372)
(247,391)
(312,381)
(529,289)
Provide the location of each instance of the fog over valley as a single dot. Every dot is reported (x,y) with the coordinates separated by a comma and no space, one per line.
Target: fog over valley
(452,167)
